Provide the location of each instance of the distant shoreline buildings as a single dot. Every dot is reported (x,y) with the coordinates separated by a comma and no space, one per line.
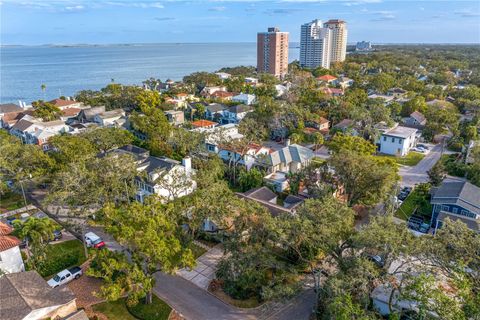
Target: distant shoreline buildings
(323,44)
(320,45)
(272,52)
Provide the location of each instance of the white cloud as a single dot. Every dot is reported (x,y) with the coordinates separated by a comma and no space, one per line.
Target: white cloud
(74,8)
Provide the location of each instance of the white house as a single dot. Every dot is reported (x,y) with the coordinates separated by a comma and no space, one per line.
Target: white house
(10,257)
(219,135)
(209,90)
(245,156)
(33,131)
(397,141)
(278,164)
(162,176)
(223,75)
(245,98)
(235,114)
(109,118)
(252,81)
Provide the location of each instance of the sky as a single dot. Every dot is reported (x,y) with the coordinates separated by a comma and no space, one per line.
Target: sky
(38,22)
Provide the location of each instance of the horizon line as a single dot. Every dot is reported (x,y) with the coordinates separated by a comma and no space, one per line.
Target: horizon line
(226,42)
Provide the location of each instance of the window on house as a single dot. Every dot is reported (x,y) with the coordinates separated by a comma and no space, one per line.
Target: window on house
(399,141)
(384,138)
(393,139)
(445,208)
(455,210)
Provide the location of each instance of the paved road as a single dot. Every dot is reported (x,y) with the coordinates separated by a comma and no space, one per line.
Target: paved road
(194,303)
(418,174)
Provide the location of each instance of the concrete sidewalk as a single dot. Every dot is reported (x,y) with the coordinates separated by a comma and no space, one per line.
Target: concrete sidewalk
(206,267)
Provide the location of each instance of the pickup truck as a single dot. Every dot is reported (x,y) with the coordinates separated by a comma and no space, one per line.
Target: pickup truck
(65,276)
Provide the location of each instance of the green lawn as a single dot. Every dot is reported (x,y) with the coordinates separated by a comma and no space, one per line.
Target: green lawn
(117,310)
(157,310)
(114,310)
(11,201)
(61,256)
(411,159)
(417,199)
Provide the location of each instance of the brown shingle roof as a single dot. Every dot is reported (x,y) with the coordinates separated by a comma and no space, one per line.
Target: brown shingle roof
(23,292)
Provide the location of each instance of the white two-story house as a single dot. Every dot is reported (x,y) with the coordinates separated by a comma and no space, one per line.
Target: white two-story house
(397,141)
(165,177)
(235,114)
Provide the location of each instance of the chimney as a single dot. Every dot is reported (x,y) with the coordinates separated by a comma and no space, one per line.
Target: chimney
(187,163)
(287,142)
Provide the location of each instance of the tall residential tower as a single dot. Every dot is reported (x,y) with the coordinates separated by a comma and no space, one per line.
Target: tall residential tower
(272,52)
(315,45)
(339,39)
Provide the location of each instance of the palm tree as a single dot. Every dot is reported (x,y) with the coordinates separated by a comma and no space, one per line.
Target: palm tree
(36,232)
(44,88)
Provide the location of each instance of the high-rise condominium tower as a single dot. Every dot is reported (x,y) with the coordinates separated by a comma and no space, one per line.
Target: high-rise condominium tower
(315,45)
(339,39)
(272,52)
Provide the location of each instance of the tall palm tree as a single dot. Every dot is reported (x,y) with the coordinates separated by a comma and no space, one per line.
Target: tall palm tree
(44,88)
(36,232)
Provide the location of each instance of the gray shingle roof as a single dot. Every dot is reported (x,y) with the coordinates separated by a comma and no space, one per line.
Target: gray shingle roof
(262,193)
(23,292)
(461,193)
(240,108)
(22,125)
(291,153)
(216,107)
(159,163)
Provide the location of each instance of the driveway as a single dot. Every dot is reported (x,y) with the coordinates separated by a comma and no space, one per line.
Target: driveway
(194,303)
(418,174)
(204,271)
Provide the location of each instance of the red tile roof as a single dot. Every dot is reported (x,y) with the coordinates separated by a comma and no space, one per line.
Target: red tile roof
(8,242)
(327,78)
(71,112)
(203,123)
(62,102)
(222,94)
(5,229)
(332,91)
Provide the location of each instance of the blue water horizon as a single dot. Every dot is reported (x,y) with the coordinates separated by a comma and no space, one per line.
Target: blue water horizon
(67,69)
